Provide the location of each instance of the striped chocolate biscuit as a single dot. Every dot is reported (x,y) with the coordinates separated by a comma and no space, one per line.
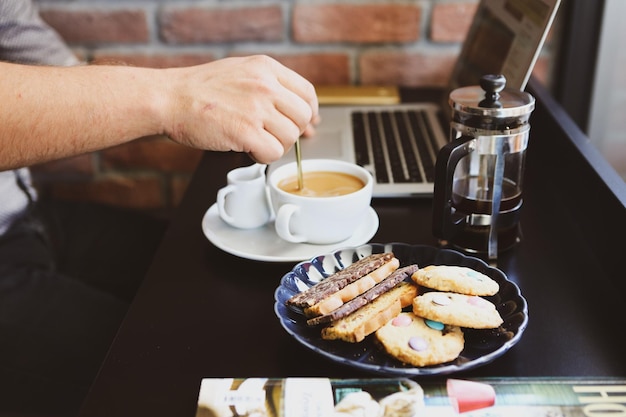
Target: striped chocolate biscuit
(339,280)
(385,285)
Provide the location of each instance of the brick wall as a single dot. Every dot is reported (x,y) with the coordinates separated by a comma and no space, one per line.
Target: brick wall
(412,42)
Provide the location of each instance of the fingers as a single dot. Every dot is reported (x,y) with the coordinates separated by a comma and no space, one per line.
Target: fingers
(283,128)
(300,86)
(296,110)
(278,136)
(268,149)
(299,102)
(310,129)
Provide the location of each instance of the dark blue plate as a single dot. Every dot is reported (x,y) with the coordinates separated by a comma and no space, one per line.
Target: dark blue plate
(481,346)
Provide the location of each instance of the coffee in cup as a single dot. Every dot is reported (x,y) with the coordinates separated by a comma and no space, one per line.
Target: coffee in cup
(322,184)
(314,216)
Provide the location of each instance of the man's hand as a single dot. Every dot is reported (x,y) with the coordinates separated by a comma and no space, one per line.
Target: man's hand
(251,104)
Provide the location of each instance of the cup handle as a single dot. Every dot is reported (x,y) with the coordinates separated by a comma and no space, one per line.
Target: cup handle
(281,224)
(221,203)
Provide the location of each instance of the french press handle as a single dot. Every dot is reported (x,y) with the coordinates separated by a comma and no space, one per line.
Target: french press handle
(445,224)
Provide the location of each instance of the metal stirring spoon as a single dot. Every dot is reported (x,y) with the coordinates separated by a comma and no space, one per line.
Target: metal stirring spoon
(299,165)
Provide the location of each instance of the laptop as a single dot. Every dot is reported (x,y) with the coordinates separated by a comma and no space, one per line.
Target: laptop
(398,143)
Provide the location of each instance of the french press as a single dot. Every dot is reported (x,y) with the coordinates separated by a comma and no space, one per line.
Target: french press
(478,176)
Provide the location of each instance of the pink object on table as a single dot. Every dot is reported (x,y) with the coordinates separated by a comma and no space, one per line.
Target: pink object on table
(470,395)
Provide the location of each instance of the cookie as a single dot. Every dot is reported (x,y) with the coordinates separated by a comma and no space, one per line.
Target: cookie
(368,296)
(369,318)
(418,342)
(455,279)
(457,310)
(352,290)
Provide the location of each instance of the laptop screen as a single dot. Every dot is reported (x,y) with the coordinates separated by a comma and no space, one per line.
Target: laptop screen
(506,37)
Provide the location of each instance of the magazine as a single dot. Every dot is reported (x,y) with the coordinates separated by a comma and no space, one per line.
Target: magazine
(401,397)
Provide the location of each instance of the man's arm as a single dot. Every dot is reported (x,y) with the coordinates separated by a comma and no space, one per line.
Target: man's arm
(251,104)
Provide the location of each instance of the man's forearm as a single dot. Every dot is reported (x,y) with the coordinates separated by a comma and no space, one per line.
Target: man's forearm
(49,113)
(244,104)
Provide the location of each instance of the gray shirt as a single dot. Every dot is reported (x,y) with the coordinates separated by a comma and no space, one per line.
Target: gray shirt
(25,38)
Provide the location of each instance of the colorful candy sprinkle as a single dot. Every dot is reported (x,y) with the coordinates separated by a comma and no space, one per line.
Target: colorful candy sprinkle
(435,325)
(441,300)
(418,344)
(401,321)
(474,274)
(478,301)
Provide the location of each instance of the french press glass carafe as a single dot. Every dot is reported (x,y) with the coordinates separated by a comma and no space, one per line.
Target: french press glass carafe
(479,173)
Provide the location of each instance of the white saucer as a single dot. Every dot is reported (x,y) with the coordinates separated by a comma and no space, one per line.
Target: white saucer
(263,244)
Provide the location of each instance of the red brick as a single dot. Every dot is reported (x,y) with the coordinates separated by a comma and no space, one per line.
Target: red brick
(92,26)
(77,166)
(198,25)
(319,68)
(156,153)
(450,22)
(160,60)
(369,23)
(140,192)
(178,187)
(413,70)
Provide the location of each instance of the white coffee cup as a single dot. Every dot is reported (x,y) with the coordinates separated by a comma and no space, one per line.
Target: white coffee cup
(319,220)
(243,203)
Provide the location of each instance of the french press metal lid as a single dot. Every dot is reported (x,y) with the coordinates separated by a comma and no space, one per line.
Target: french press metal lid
(490,106)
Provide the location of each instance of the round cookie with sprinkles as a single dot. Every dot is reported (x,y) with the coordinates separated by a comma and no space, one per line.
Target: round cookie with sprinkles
(457,310)
(420,342)
(458,279)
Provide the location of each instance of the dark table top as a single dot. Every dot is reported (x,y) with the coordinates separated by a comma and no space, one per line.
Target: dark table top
(204,313)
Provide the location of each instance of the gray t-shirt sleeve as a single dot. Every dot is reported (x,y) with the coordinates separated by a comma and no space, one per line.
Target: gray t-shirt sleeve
(26,38)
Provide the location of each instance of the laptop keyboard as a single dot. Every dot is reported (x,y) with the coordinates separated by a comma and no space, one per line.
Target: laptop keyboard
(399,145)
